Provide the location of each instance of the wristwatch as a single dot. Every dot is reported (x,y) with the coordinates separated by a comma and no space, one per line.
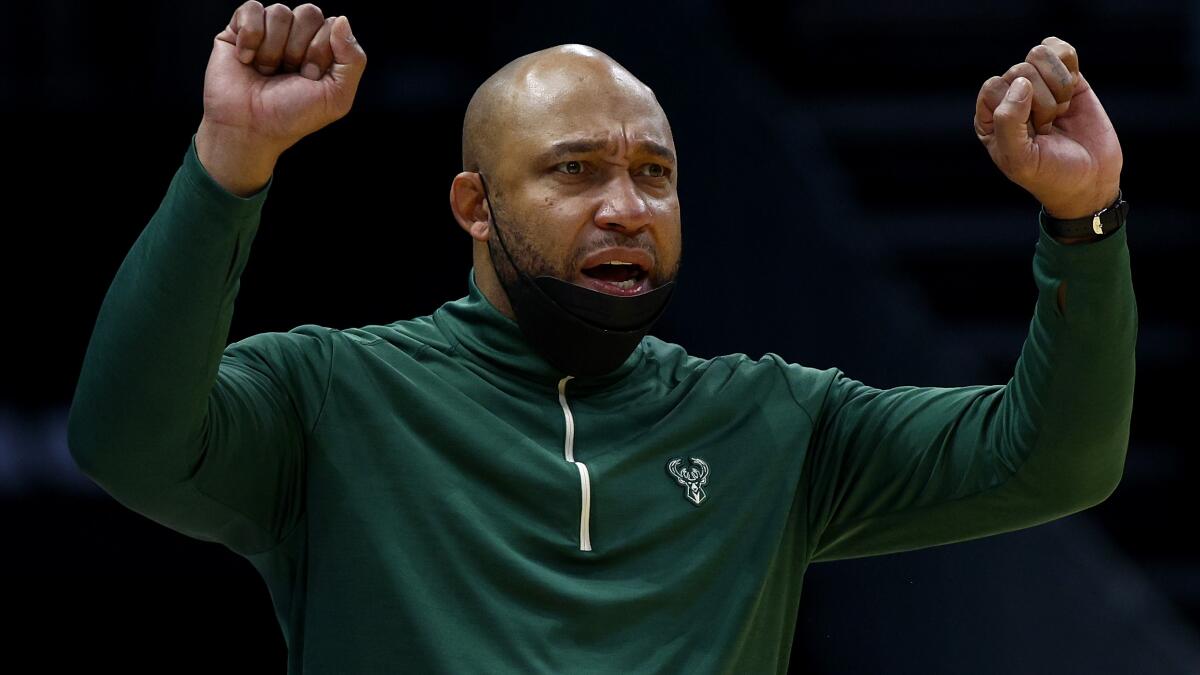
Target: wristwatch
(1103,222)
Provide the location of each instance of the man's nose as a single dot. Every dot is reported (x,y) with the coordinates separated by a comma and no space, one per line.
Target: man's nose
(624,207)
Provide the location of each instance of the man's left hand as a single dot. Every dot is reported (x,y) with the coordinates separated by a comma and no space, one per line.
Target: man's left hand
(1044,127)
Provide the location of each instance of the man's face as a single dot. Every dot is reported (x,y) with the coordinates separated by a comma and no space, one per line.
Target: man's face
(586,167)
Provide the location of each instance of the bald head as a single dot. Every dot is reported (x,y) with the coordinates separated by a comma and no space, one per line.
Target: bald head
(578,158)
(547,83)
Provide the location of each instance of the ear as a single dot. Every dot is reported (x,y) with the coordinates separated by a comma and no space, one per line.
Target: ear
(470,208)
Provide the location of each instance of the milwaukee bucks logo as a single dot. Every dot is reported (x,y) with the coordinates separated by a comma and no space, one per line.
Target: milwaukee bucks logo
(692,478)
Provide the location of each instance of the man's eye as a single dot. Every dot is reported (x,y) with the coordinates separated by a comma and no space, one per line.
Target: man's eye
(572,167)
(655,170)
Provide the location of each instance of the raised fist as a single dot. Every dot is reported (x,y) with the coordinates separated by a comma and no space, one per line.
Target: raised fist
(275,75)
(1047,132)
(281,74)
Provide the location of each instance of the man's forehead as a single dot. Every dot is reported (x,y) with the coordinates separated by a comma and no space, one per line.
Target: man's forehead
(566,98)
(589,118)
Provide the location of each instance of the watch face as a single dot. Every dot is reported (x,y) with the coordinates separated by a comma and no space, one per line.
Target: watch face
(1111,218)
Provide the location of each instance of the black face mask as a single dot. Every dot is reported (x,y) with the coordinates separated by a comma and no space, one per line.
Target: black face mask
(578,330)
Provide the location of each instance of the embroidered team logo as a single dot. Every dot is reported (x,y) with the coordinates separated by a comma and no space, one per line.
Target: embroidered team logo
(692,478)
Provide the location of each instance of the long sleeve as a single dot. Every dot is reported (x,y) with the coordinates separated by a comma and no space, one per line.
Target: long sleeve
(203,438)
(911,467)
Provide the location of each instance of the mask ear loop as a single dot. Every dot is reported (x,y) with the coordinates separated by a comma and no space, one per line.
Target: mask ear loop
(495,225)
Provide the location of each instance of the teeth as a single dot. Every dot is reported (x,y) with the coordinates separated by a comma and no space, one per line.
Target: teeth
(625,285)
(619,262)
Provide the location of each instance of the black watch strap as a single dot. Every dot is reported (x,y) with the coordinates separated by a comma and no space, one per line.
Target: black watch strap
(1104,221)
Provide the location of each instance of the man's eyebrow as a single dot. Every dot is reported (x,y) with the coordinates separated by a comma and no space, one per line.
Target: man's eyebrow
(656,149)
(586,146)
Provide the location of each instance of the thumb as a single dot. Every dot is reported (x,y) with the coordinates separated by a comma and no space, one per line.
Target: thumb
(349,59)
(1013,139)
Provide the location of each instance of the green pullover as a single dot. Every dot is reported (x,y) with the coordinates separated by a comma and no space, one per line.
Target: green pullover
(432,496)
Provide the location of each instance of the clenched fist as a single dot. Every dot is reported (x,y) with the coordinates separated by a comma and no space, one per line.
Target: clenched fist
(1045,129)
(275,75)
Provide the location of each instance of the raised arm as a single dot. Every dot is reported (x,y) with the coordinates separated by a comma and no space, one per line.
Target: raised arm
(204,438)
(910,467)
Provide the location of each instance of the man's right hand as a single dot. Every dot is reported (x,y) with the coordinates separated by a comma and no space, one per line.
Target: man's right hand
(275,75)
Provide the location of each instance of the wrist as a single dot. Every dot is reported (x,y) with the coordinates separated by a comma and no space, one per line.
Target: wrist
(1081,208)
(237,160)
(1090,227)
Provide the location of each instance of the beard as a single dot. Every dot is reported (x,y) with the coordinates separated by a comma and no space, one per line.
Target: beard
(523,253)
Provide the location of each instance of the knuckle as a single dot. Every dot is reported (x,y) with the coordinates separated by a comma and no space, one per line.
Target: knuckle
(1059,46)
(1023,69)
(311,19)
(309,9)
(1040,53)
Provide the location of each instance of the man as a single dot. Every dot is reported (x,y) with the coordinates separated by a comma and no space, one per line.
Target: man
(525,480)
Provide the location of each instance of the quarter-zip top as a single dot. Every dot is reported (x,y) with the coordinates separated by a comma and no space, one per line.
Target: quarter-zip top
(585,481)
(398,487)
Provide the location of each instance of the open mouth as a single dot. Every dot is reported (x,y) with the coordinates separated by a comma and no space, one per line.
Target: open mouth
(622,279)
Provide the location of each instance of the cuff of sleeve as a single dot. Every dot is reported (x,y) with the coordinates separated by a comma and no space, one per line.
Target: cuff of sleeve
(1092,257)
(214,194)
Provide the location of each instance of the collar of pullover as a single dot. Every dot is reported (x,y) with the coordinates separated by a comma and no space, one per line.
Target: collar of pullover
(491,339)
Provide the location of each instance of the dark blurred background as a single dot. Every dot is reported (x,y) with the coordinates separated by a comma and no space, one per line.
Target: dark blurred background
(838,210)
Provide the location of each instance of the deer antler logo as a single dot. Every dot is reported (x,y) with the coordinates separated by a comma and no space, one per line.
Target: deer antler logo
(692,478)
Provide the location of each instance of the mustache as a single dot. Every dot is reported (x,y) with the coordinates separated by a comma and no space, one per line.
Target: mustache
(645,243)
